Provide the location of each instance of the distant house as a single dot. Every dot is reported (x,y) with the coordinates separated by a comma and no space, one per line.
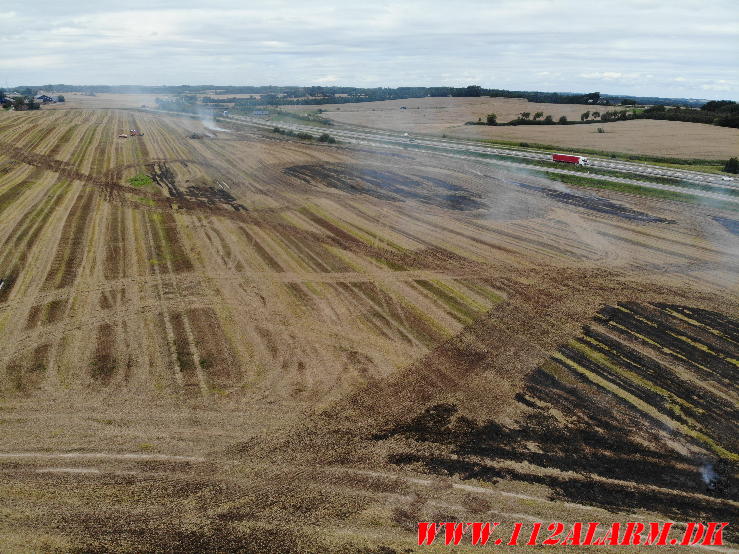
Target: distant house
(44,99)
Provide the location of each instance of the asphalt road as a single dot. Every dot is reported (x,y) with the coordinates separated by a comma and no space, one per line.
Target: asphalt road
(469,149)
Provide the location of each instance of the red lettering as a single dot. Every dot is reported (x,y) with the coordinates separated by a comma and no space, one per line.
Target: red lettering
(454,532)
(592,528)
(481,532)
(426,533)
(693,533)
(611,536)
(556,528)
(658,533)
(534,534)
(573,537)
(632,535)
(715,537)
(514,536)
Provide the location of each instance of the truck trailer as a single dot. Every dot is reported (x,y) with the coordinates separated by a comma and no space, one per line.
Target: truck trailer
(569,159)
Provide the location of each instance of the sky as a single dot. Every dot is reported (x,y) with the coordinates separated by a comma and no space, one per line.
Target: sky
(675,48)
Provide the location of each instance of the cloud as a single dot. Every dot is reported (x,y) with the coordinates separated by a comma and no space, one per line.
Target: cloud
(611,76)
(520,44)
(35,62)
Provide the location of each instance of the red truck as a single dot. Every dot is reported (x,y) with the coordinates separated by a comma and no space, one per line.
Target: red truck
(566,158)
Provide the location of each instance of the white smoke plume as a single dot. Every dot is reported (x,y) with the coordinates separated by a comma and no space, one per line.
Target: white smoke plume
(709,475)
(208,120)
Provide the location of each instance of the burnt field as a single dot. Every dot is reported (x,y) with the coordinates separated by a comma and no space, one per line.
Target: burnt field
(594,203)
(388,185)
(206,344)
(598,418)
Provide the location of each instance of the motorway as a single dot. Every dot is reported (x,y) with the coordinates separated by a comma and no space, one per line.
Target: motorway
(460,148)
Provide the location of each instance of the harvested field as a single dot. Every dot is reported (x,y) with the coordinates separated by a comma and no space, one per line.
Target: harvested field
(261,335)
(437,116)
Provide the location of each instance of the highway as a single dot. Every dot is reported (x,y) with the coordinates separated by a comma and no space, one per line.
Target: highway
(459,148)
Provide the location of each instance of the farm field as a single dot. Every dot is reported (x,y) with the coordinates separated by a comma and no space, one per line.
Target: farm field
(437,116)
(249,342)
(102,100)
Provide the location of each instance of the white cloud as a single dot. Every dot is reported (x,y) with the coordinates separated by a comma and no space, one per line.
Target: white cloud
(611,76)
(34,62)
(521,44)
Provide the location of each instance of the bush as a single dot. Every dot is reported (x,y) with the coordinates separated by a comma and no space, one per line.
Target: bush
(325,137)
(601,130)
(732,166)
(563,120)
(304,136)
(140,180)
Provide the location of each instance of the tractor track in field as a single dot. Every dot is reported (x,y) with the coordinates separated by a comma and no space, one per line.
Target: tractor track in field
(272,329)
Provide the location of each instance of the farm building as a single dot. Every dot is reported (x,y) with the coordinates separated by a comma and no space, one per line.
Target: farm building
(44,99)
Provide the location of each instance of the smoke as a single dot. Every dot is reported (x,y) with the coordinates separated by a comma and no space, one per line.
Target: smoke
(709,475)
(719,233)
(506,201)
(208,120)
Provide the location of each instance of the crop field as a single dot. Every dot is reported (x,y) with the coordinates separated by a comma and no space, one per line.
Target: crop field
(437,116)
(247,341)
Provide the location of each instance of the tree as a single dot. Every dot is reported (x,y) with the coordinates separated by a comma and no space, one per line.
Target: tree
(525,115)
(716,105)
(19,103)
(548,120)
(596,115)
(537,115)
(60,98)
(628,102)
(492,119)
(563,120)
(584,116)
(732,166)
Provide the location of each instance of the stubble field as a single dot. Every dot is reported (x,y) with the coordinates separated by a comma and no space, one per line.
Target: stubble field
(279,346)
(437,116)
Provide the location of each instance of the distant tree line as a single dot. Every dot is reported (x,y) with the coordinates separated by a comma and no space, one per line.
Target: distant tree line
(291,95)
(724,113)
